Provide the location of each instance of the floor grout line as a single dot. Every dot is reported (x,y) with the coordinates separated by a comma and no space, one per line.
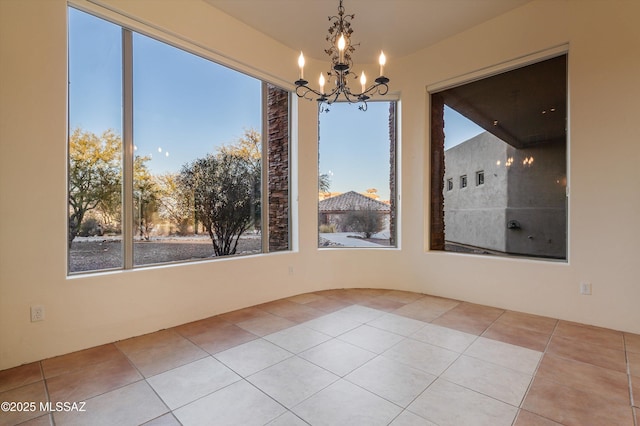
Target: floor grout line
(357,313)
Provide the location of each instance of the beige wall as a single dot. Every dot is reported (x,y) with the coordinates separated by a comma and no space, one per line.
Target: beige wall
(604,202)
(90,310)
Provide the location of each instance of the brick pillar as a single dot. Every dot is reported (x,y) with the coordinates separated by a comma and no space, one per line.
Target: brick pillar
(277,142)
(392,172)
(436,238)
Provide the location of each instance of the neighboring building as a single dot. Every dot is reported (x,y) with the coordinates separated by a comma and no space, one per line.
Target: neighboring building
(333,210)
(506,199)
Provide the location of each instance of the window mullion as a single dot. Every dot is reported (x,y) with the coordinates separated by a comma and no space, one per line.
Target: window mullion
(264,180)
(127,142)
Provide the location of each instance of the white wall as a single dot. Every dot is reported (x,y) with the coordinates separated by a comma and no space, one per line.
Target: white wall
(85,311)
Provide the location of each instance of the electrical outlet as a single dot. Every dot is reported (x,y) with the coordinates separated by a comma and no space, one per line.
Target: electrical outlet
(585,289)
(37,313)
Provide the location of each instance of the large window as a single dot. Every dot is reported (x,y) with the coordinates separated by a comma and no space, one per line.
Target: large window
(357,194)
(95,143)
(510,131)
(167,161)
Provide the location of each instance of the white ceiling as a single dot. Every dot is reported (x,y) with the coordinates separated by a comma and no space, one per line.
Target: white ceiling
(399,27)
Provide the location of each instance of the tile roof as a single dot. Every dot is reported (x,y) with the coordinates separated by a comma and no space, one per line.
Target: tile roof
(350,201)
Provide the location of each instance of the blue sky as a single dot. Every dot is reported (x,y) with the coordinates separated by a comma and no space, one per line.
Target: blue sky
(354,147)
(186,106)
(457,128)
(95,74)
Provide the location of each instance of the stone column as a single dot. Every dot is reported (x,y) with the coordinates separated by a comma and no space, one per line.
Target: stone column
(277,145)
(436,235)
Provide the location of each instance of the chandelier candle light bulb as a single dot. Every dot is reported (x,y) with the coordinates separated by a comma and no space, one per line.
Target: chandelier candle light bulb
(382,61)
(341,45)
(301,65)
(321,83)
(363,81)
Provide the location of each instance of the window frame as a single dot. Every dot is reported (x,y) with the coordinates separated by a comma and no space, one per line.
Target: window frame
(480,178)
(128,27)
(394,173)
(435,229)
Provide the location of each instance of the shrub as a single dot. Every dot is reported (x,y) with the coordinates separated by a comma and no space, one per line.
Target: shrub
(90,227)
(327,228)
(365,222)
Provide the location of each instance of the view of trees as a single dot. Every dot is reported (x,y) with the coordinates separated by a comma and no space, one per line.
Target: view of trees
(226,191)
(146,191)
(175,203)
(324,182)
(94,177)
(220,192)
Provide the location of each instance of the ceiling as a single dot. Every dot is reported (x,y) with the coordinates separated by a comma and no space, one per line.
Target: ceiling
(509,105)
(523,107)
(398,27)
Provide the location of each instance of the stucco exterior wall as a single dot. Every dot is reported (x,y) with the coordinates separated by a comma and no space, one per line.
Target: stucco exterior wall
(537,200)
(533,194)
(475,215)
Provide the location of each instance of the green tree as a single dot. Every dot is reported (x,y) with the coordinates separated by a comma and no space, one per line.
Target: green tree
(324,182)
(94,174)
(249,149)
(223,189)
(175,202)
(145,196)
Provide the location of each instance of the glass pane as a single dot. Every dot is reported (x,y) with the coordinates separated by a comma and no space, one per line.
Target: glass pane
(197,165)
(95,143)
(356,183)
(509,131)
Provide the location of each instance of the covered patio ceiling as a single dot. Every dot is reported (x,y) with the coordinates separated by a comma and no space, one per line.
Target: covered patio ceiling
(522,107)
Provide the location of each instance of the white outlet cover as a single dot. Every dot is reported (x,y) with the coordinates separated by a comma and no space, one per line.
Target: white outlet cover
(37,313)
(585,289)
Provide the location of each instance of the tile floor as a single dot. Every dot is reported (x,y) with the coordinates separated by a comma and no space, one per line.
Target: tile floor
(345,357)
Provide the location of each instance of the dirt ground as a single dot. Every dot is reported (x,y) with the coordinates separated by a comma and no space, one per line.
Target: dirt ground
(98,253)
(90,254)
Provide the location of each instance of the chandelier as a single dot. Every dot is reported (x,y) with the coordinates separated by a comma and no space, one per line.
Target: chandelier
(340,51)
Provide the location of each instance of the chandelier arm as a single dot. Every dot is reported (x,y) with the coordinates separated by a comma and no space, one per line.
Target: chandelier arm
(378,88)
(383,89)
(303,91)
(336,90)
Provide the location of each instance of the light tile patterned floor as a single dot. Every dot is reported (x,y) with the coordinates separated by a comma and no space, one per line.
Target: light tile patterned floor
(345,357)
